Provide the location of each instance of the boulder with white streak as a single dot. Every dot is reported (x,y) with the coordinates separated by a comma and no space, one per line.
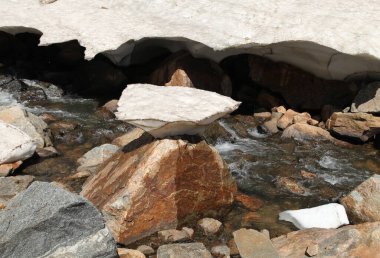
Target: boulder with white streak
(332,215)
(167,111)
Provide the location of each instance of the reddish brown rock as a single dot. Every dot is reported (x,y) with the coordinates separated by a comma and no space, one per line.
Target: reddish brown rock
(250,202)
(7,169)
(290,185)
(154,186)
(361,240)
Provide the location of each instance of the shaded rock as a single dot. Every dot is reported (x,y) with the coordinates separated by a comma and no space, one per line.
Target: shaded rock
(181,69)
(250,202)
(290,185)
(271,125)
(332,215)
(15,145)
(305,132)
(32,125)
(233,248)
(287,119)
(363,203)
(209,226)
(11,186)
(129,253)
(263,115)
(47,152)
(173,235)
(111,105)
(8,168)
(279,109)
(57,223)
(304,118)
(216,132)
(356,126)
(47,117)
(191,250)
(368,99)
(189,231)
(92,159)
(253,244)
(145,249)
(220,251)
(156,184)
(308,175)
(165,111)
(267,100)
(327,112)
(127,138)
(361,240)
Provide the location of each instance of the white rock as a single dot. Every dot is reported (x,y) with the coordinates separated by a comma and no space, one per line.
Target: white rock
(14,144)
(308,34)
(96,156)
(165,111)
(332,215)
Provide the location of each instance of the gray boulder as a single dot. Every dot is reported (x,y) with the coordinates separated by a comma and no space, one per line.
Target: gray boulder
(47,221)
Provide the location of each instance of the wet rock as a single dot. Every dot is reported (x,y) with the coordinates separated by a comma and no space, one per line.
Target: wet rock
(47,117)
(363,203)
(356,126)
(157,184)
(104,114)
(250,202)
(209,226)
(127,138)
(305,132)
(220,251)
(215,132)
(308,175)
(173,235)
(191,250)
(332,215)
(287,119)
(11,186)
(271,125)
(253,244)
(92,159)
(15,145)
(57,223)
(8,168)
(145,249)
(191,110)
(27,122)
(368,99)
(111,105)
(361,240)
(182,69)
(47,152)
(129,253)
(290,185)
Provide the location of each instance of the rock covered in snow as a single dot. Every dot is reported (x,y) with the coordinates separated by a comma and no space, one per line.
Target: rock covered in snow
(332,215)
(166,111)
(14,144)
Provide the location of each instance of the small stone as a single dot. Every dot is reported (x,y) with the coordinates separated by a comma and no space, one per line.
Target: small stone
(128,137)
(79,175)
(111,105)
(191,250)
(250,202)
(312,250)
(129,253)
(280,109)
(287,119)
(173,235)
(209,226)
(271,125)
(145,249)
(47,117)
(262,115)
(47,152)
(290,185)
(7,169)
(220,251)
(189,232)
(308,175)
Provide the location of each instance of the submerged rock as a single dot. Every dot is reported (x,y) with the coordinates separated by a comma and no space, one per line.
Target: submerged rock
(166,111)
(15,145)
(191,250)
(54,223)
(331,215)
(152,186)
(363,203)
(368,99)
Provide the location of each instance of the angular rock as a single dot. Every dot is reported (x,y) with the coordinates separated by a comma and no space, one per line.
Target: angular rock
(368,99)
(8,168)
(357,126)
(290,185)
(363,203)
(253,244)
(361,240)
(287,119)
(191,250)
(151,186)
(111,105)
(221,251)
(128,137)
(145,249)
(165,111)
(304,118)
(209,226)
(129,253)
(173,235)
(11,186)
(332,215)
(57,224)
(305,132)
(91,160)
(15,145)
(182,69)
(250,202)
(271,125)
(32,125)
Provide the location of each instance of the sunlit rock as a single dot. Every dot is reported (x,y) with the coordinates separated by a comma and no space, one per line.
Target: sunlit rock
(165,111)
(331,215)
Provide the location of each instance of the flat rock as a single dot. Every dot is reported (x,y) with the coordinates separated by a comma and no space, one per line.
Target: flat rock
(166,111)
(191,250)
(15,145)
(332,215)
(57,223)
(363,203)
(361,240)
(96,156)
(153,185)
(368,99)
(253,244)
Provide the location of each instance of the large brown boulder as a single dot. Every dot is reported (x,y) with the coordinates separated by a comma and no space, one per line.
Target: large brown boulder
(153,185)
(182,69)
(356,126)
(300,89)
(361,240)
(363,203)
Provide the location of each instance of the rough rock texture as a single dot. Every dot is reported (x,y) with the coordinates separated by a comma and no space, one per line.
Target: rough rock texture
(91,160)
(253,244)
(289,30)
(11,186)
(8,168)
(191,250)
(363,203)
(305,132)
(287,119)
(361,240)
(368,99)
(221,251)
(356,126)
(165,111)
(152,187)
(129,253)
(54,223)
(332,215)
(128,137)
(173,235)
(209,226)
(14,144)
(181,69)
(271,125)
(32,125)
